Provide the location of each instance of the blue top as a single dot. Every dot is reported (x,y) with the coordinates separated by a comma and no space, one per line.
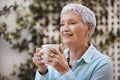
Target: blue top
(93,65)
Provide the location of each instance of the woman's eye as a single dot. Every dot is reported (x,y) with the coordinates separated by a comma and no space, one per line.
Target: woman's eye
(72,22)
(61,24)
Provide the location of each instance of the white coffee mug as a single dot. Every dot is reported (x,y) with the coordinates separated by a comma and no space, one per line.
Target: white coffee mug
(45,49)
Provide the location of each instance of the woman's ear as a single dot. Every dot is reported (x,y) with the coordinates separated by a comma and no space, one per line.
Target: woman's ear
(89,30)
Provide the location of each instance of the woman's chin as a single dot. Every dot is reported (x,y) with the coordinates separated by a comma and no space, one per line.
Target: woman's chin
(67,42)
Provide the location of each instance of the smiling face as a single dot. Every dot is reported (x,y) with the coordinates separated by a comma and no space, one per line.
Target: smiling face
(73,29)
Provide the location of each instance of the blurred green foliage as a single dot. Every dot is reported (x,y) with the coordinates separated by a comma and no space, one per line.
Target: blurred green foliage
(3,77)
(39,10)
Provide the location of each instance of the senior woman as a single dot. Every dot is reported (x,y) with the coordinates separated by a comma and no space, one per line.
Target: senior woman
(81,60)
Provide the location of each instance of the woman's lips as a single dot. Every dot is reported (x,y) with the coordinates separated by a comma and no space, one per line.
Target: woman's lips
(67,35)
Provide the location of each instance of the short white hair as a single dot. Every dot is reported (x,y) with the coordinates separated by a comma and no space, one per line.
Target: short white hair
(88,16)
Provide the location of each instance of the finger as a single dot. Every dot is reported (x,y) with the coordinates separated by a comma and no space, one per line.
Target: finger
(37,50)
(36,55)
(37,61)
(61,49)
(34,60)
(48,56)
(41,52)
(52,55)
(53,50)
(53,62)
(49,60)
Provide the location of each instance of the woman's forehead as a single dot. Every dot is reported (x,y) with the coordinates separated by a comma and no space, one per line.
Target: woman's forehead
(71,14)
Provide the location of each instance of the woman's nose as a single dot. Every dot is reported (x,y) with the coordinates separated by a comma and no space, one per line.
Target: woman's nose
(66,27)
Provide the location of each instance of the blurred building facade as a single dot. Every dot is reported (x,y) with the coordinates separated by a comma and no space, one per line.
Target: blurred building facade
(113,21)
(114,24)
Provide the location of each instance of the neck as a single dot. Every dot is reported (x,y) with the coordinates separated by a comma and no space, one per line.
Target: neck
(77,52)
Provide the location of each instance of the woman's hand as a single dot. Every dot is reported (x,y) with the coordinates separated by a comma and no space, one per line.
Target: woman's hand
(37,60)
(57,60)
